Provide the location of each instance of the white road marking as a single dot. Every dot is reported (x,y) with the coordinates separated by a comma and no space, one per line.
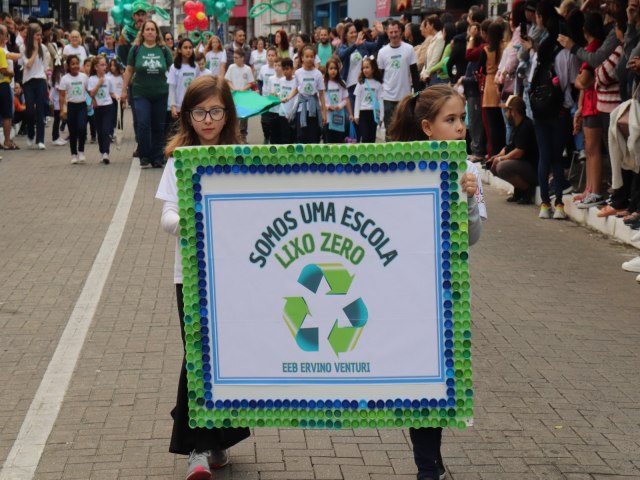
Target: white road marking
(23,459)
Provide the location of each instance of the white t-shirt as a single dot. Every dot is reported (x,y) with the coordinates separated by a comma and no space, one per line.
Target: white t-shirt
(215,60)
(266,72)
(79,51)
(76,87)
(364,99)
(168,192)
(181,78)
(335,94)
(397,75)
(257,60)
(240,77)
(355,67)
(482,207)
(271,86)
(103,95)
(39,67)
(206,71)
(117,82)
(284,88)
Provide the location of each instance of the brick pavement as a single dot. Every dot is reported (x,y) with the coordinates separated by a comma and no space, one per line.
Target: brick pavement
(555,346)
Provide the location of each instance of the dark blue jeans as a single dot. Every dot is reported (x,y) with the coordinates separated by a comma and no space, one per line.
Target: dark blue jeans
(36,99)
(551,134)
(103,116)
(77,123)
(150,116)
(426,451)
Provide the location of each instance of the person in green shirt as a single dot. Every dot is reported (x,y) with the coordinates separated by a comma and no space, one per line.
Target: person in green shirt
(150,60)
(325,49)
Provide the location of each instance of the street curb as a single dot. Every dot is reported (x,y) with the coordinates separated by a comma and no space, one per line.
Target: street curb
(610,226)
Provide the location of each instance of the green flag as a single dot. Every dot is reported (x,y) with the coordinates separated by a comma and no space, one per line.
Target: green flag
(250,103)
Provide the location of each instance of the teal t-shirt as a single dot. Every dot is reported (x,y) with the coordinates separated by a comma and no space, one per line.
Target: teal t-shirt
(324,53)
(151,67)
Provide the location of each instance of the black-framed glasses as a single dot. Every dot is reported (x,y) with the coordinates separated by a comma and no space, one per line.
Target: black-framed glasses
(200,114)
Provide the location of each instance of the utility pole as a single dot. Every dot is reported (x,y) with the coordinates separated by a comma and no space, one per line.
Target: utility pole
(306,11)
(250,22)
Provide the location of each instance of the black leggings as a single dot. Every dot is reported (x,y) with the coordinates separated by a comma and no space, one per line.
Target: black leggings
(183,438)
(367,127)
(77,121)
(496,129)
(55,130)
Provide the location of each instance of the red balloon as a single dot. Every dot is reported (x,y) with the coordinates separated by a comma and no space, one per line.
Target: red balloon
(199,7)
(190,24)
(203,24)
(188,7)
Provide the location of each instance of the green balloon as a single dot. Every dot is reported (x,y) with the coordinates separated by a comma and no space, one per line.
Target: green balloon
(231,4)
(127,10)
(116,13)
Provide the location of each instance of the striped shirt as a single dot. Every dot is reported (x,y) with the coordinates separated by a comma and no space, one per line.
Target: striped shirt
(607,84)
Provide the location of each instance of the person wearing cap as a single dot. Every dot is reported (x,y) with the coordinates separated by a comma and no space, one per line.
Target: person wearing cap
(108,49)
(517,162)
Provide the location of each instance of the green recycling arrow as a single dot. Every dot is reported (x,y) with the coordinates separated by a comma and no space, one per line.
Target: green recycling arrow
(344,339)
(295,311)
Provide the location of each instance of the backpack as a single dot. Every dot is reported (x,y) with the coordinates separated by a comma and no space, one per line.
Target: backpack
(545,93)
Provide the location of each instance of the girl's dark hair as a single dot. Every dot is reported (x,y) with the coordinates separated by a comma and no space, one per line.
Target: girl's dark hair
(594,25)
(416,34)
(305,38)
(461,26)
(114,61)
(377,74)
(518,14)
(177,62)
(307,46)
(32,29)
(201,89)
(575,25)
(406,124)
(284,40)
(56,74)
(70,58)
(495,34)
(449,32)
(333,61)
(551,21)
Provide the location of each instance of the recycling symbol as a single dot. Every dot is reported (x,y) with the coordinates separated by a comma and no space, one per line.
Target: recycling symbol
(308,88)
(296,310)
(395,64)
(101,93)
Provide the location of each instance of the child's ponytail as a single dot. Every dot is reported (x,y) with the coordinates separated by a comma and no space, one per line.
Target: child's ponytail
(405,127)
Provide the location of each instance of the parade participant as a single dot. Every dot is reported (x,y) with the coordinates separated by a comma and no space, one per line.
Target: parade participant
(149,60)
(35,60)
(438,113)
(208,117)
(168,41)
(240,79)
(336,98)
(281,42)
(6,100)
(325,48)
(312,112)
(181,74)
(108,49)
(103,93)
(91,119)
(216,56)
(201,60)
(287,89)
(115,75)
(267,72)
(75,47)
(73,107)
(369,110)
(239,43)
(257,59)
(54,97)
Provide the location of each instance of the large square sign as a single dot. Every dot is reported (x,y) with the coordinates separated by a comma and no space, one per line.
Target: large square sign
(326,286)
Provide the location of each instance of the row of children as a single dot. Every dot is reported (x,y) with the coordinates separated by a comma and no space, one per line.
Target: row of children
(313,105)
(85,97)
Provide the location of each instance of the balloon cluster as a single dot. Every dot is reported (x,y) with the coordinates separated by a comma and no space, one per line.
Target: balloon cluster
(123,10)
(197,12)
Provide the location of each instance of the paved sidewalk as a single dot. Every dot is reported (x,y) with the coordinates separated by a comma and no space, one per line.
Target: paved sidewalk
(556,340)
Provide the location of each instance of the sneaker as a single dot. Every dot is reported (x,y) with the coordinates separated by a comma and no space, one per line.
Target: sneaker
(559,213)
(198,466)
(632,265)
(81,157)
(30,142)
(60,142)
(591,200)
(105,158)
(74,159)
(41,146)
(218,458)
(545,211)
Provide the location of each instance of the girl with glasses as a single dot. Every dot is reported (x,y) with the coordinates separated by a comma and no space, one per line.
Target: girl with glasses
(208,117)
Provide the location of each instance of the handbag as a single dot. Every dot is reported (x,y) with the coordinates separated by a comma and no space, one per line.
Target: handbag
(623,120)
(353,135)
